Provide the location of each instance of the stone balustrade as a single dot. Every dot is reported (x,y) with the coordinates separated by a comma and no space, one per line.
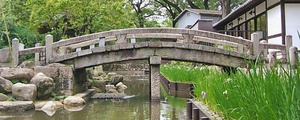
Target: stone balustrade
(125,38)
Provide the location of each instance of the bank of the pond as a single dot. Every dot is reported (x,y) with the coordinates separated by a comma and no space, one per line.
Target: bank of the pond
(137,108)
(262,93)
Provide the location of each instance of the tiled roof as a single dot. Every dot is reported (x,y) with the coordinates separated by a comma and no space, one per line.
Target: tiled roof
(209,12)
(199,11)
(249,4)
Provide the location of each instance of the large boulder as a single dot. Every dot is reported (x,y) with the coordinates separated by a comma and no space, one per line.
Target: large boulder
(61,74)
(116,79)
(3,97)
(49,108)
(73,103)
(25,92)
(45,85)
(5,85)
(27,64)
(121,87)
(16,106)
(18,73)
(110,89)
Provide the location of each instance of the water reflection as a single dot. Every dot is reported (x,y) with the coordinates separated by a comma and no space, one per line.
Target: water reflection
(137,108)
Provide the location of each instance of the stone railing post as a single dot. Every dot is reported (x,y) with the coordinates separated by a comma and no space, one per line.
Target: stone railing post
(155,62)
(188,38)
(293,56)
(272,58)
(264,51)
(102,42)
(288,45)
(121,38)
(49,42)
(255,40)
(37,55)
(15,52)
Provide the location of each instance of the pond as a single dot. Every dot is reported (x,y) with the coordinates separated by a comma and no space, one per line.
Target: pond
(137,108)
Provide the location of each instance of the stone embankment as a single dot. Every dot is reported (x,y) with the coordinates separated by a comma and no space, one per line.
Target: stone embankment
(45,88)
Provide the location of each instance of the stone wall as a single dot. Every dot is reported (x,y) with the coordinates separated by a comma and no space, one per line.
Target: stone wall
(4,57)
(66,80)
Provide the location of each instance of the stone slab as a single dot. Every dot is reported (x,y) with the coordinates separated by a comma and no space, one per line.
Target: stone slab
(4,56)
(141,45)
(16,106)
(98,49)
(155,60)
(168,44)
(85,52)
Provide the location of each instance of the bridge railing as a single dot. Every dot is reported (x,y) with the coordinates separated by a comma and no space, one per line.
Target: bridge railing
(294,56)
(272,53)
(19,52)
(253,47)
(165,34)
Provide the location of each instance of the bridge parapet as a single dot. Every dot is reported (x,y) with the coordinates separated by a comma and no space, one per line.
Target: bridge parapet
(128,38)
(172,35)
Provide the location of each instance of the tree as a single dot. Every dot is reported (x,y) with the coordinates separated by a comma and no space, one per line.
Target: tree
(143,9)
(174,7)
(69,18)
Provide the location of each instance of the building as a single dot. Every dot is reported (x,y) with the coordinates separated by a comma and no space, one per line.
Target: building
(198,19)
(273,19)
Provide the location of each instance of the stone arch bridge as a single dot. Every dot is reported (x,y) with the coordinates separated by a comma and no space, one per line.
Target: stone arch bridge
(153,44)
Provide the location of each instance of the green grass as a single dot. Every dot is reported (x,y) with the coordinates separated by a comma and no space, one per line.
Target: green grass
(264,93)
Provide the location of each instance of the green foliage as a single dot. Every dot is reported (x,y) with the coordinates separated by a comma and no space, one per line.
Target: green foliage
(58,97)
(262,93)
(14,81)
(11,99)
(181,73)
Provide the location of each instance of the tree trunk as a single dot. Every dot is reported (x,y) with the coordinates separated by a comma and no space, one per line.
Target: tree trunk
(225,4)
(206,6)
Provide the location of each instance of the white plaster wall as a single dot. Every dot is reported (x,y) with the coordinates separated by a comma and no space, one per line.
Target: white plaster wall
(274,21)
(277,40)
(188,20)
(260,8)
(293,22)
(272,2)
(196,26)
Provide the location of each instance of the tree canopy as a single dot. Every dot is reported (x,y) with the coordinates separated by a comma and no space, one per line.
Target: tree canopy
(30,20)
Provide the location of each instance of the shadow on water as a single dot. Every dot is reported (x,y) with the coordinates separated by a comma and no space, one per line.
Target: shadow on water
(137,108)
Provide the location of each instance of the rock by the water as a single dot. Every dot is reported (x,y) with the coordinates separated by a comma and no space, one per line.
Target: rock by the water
(25,92)
(110,89)
(49,108)
(3,97)
(112,96)
(109,96)
(61,74)
(74,103)
(45,85)
(5,85)
(16,106)
(121,87)
(17,73)
(39,104)
(116,79)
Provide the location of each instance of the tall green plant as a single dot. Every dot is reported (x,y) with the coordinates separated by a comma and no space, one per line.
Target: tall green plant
(261,93)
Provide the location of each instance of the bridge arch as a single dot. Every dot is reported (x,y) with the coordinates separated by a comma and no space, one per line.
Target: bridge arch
(174,44)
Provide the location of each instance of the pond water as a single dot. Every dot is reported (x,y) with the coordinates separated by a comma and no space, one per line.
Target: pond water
(137,108)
